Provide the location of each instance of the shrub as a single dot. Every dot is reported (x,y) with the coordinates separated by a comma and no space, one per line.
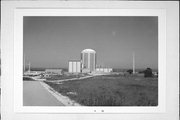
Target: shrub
(148,72)
(130,71)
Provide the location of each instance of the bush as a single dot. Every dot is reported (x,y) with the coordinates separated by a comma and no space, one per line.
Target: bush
(130,71)
(148,72)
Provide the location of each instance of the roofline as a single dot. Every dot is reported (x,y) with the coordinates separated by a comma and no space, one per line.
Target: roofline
(88,50)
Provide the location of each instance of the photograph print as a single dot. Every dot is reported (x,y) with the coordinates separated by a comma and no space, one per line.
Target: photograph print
(90,61)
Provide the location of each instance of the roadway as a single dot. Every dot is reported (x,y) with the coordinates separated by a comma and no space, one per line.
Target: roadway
(34,94)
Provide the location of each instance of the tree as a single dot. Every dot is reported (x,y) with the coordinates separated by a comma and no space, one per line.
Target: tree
(148,72)
(130,71)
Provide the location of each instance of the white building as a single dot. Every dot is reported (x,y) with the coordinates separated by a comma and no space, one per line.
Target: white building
(53,71)
(104,70)
(74,66)
(88,58)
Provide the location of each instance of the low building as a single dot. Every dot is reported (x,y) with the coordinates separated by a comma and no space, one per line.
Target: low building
(53,71)
(105,70)
(74,66)
(86,70)
(33,73)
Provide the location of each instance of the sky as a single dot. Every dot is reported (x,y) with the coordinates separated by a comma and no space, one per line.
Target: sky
(51,42)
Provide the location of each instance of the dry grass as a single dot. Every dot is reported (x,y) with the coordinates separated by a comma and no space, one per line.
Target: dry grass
(62,77)
(112,90)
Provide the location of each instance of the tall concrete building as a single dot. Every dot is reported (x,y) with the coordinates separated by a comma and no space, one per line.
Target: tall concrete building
(88,59)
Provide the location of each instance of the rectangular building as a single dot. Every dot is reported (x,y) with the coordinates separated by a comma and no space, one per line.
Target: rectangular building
(104,70)
(53,71)
(74,66)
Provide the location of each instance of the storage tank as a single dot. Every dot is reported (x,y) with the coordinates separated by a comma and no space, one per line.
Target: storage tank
(74,66)
(88,59)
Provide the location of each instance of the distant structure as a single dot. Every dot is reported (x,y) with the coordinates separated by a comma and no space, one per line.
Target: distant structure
(29,70)
(74,66)
(24,63)
(104,70)
(133,63)
(87,64)
(88,59)
(53,71)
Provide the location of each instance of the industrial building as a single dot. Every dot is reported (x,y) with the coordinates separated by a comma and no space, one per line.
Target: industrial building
(104,70)
(88,58)
(87,64)
(74,66)
(53,71)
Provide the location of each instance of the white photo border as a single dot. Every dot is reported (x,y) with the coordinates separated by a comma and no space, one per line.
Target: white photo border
(18,60)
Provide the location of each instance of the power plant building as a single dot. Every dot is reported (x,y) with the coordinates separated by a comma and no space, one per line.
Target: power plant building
(88,59)
(74,66)
(87,64)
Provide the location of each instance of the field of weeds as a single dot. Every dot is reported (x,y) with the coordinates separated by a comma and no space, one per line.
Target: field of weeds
(111,90)
(62,77)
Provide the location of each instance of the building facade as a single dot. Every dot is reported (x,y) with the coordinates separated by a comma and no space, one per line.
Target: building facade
(74,66)
(88,60)
(53,71)
(104,70)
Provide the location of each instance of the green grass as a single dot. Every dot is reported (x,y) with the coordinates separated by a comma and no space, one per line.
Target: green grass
(112,90)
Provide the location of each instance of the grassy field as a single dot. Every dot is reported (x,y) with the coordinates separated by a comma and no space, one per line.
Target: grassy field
(62,77)
(111,90)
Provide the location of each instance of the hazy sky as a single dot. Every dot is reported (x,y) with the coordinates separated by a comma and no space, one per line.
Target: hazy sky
(52,41)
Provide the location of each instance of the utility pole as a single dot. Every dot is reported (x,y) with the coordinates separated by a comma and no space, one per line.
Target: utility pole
(24,64)
(133,63)
(29,67)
